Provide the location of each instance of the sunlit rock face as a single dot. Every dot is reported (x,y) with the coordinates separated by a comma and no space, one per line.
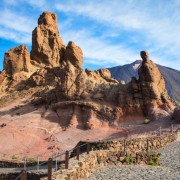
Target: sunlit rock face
(46,42)
(58,70)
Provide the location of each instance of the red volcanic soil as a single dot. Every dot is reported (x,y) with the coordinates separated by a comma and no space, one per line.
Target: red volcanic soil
(30,132)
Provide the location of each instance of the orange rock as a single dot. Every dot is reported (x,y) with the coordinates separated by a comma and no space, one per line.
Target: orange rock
(46,42)
(16,60)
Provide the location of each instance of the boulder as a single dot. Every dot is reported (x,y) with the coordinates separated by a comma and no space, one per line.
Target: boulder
(74,54)
(105,73)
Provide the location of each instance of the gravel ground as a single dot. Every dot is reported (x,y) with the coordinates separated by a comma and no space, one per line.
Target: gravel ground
(169,169)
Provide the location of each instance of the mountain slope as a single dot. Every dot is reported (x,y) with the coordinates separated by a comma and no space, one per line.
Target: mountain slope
(171,76)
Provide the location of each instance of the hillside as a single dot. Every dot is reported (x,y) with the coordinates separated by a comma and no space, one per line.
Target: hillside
(48,102)
(171,76)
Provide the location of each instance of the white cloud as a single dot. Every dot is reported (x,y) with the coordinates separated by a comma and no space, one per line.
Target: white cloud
(155,27)
(23,38)
(158,23)
(16,22)
(41,4)
(98,51)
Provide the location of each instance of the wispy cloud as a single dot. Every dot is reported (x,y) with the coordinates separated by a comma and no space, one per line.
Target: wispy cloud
(98,51)
(158,23)
(109,32)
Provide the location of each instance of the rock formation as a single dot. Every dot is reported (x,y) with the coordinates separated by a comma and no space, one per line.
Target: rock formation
(92,97)
(46,42)
(146,93)
(17,67)
(17,59)
(151,81)
(74,54)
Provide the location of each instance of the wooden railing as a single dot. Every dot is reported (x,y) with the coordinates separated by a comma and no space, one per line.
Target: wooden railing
(76,151)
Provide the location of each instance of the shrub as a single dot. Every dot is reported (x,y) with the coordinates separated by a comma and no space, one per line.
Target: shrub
(129,160)
(146,121)
(153,159)
(14,157)
(31,160)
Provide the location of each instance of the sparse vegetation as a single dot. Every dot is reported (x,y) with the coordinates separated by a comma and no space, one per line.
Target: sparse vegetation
(14,157)
(153,160)
(129,160)
(31,160)
(18,95)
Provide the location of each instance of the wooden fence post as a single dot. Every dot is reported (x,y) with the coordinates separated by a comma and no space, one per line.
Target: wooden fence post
(160,131)
(24,175)
(147,145)
(172,128)
(50,169)
(78,152)
(38,163)
(66,159)
(56,163)
(24,163)
(124,145)
(88,148)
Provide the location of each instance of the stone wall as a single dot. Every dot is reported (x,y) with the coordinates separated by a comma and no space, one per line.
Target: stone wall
(137,144)
(130,151)
(89,163)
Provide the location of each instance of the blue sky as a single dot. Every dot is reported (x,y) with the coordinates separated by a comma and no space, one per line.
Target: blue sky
(110,32)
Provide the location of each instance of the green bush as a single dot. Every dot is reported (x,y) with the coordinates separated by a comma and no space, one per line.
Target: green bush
(14,157)
(129,160)
(153,159)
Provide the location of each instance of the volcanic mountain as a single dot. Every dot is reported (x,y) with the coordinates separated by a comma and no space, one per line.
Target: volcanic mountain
(171,76)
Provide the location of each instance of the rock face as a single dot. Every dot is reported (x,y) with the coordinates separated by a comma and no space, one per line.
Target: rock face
(171,76)
(17,59)
(46,42)
(92,97)
(151,81)
(17,67)
(146,93)
(74,54)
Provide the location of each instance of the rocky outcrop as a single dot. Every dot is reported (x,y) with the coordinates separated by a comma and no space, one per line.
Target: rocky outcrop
(74,54)
(46,42)
(58,69)
(16,60)
(17,68)
(151,81)
(147,93)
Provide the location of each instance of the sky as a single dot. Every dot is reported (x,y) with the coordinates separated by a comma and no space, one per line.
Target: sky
(110,32)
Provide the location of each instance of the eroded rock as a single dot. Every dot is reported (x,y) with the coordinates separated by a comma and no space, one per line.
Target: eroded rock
(46,42)
(74,54)
(16,60)
(58,69)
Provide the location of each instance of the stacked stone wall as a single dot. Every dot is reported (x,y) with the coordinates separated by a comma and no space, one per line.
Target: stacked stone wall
(129,151)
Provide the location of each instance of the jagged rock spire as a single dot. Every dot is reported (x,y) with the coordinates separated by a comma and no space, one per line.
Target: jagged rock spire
(151,81)
(46,42)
